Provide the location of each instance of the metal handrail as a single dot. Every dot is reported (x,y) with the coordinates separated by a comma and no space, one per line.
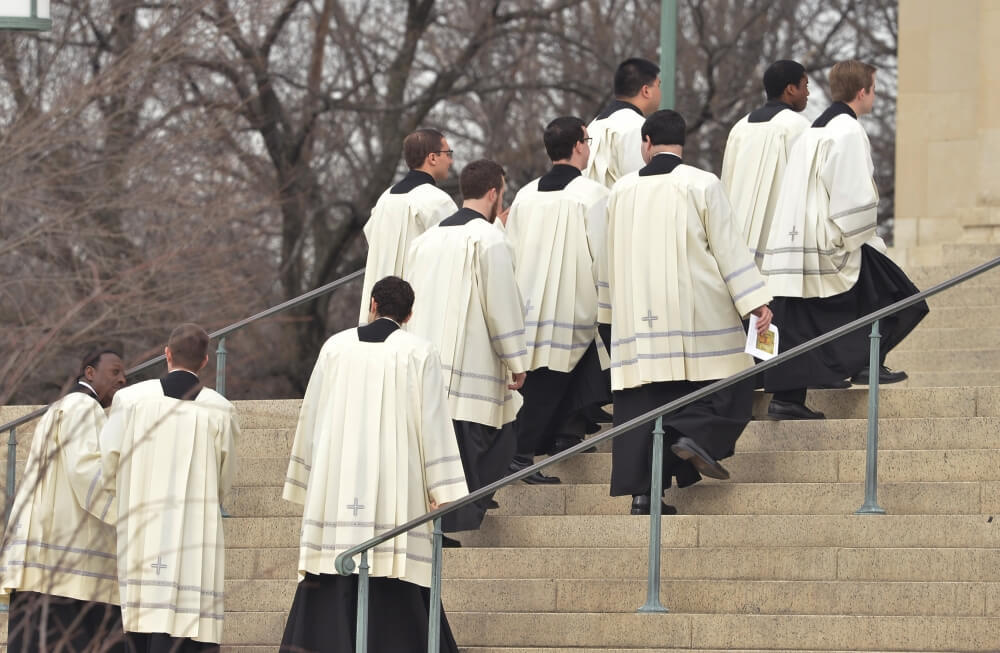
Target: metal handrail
(221,333)
(344,562)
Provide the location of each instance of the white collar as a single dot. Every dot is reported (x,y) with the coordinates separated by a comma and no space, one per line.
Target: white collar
(88,386)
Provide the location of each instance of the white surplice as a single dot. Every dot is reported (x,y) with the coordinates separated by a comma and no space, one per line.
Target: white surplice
(616,148)
(395,221)
(373,446)
(752,170)
(678,278)
(172,462)
(558,237)
(53,544)
(826,210)
(468,305)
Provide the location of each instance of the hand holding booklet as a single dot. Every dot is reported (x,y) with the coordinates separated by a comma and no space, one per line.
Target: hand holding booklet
(761,345)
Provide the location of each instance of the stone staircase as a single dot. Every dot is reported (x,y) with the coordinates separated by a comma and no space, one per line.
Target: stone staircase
(774,559)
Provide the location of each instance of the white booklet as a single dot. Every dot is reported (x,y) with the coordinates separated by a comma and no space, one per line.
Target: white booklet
(762,346)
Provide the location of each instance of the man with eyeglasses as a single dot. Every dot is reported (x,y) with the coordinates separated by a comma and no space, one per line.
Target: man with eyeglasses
(407,210)
(556,226)
(617,146)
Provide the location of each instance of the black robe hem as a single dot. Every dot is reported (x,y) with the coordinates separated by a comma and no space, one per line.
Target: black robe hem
(72,626)
(486,453)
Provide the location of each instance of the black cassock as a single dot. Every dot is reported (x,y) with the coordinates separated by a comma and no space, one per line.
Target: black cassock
(69,624)
(323,618)
(486,452)
(714,423)
(880,283)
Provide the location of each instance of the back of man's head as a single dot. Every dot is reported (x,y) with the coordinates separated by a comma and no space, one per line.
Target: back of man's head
(849,77)
(419,144)
(664,127)
(632,75)
(779,75)
(561,136)
(188,345)
(479,177)
(393,298)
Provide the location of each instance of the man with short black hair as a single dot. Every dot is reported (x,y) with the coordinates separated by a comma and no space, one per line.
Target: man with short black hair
(677,281)
(556,227)
(58,562)
(757,152)
(616,149)
(374,448)
(825,264)
(406,210)
(169,451)
(469,306)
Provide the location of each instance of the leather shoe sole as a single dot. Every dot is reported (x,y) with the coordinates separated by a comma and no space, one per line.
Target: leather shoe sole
(885,375)
(791,410)
(687,449)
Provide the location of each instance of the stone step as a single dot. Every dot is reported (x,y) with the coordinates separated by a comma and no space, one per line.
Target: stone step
(852,403)
(712,499)
(926,276)
(957,360)
(951,317)
(968,599)
(849,531)
(575,649)
(973,296)
(939,379)
(707,631)
(951,338)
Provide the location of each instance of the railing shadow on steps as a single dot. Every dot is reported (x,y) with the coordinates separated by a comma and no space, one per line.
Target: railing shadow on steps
(345,563)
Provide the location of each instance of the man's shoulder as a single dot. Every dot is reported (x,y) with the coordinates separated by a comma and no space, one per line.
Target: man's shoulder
(339,340)
(527,191)
(623,120)
(139,391)
(790,119)
(75,402)
(695,177)
(210,398)
(417,346)
(588,190)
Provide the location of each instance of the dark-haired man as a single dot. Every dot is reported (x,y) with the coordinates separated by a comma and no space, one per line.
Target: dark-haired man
(59,559)
(758,149)
(169,451)
(616,149)
(373,449)
(407,209)
(556,226)
(679,281)
(825,264)
(469,306)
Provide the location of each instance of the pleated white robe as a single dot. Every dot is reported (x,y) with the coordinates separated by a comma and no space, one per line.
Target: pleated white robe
(827,209)
(374,445)
(172,462)
(558,237)
(678,280)
(53,544)
(752,169)
(468,305)
(395,221)
(616,148)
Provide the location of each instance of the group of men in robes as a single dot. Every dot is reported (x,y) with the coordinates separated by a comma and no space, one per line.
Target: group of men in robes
(116,540)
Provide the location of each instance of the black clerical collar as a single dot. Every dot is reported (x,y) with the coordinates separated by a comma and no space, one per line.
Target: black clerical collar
(181,384)
(834,110)
(377,330)
(558,177)
(768,111)
(412,179)
(464,216)
(615,106)
(85,388)
(661,164)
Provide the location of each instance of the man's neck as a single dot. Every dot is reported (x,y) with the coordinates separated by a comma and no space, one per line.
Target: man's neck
(856,108)
(427,170)
(480,206)
(170,370)
(676,150)
(636,101)
(569,162)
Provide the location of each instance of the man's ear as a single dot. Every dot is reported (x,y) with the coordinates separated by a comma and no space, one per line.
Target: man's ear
(169,356)
(204,362)
(407,318)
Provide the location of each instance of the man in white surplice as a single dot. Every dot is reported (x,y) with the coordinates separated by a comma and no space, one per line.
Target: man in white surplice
(407,209)
(374,448)
(58,561)
(824,262)
(169,451)
(758,149)
(469,306)
(616,149)
(678,278)
(557,227)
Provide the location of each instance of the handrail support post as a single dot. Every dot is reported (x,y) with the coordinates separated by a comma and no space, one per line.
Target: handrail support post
(361,631)
(220,366)
(434,613)
(653,604)
(870,506)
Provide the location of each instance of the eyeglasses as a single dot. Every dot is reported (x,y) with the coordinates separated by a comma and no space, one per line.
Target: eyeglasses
(588,140)
(448,152)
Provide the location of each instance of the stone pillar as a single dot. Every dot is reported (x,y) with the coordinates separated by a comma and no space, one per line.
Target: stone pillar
(948,123)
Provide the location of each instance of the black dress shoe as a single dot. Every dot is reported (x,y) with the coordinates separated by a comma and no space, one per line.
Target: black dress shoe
(641,506)
(791,410)
(488,504)
(885,375)
(687,449)
(563,443)
(539,478)
(450,543)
